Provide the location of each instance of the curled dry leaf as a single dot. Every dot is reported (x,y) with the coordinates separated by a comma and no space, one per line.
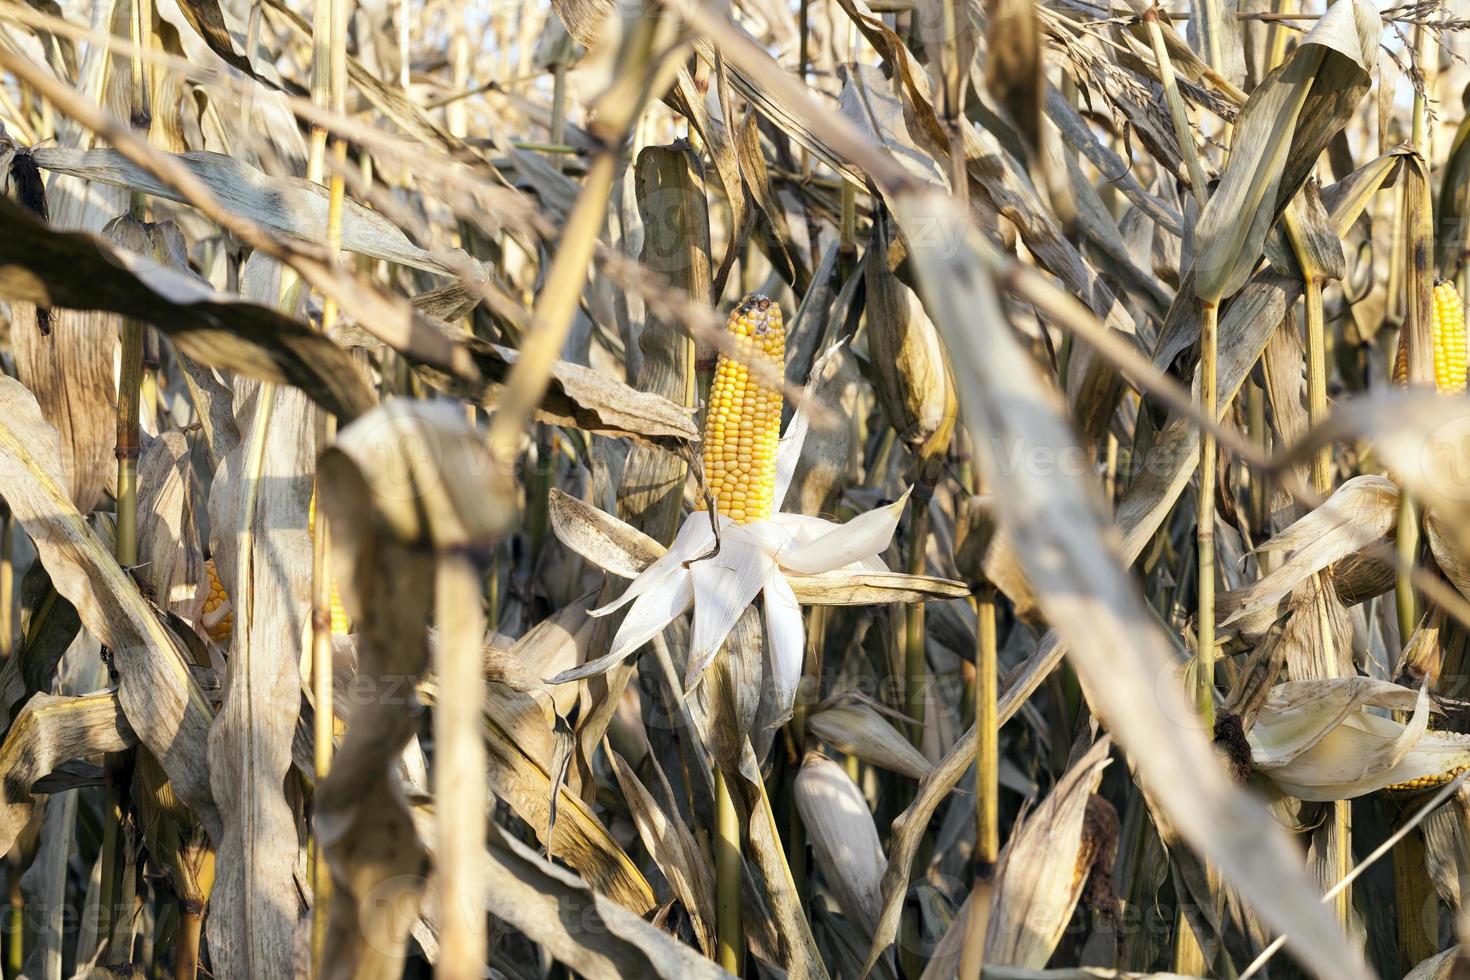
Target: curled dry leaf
(577,926)
(49,731)
(675,851)
(518,739)
(1448,553)
(49,624)
(1285,124)
(1361,513)
(171,564)
(286,204)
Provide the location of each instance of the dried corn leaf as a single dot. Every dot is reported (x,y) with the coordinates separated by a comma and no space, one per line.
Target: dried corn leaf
(70,370)
(71,269)
(675,851)
(590,933)
(520,773)
(556,644)
(49,731)
(289,205)
(1040,877)
(258,518)
(1450,557)
(1438,967)
(1116,170)
(1361,513)
(49,625)
(158,694)
(576,396)
(205,17)
(1287,121)
(171,563)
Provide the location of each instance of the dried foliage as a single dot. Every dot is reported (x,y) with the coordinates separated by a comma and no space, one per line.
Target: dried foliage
(1087,595)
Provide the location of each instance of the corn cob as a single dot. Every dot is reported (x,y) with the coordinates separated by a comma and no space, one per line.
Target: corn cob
(744,420)
(1428,782)
(219,618)
(1449,342)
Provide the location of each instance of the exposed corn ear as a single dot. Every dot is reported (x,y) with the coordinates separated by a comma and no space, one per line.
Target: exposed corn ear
(1449,342)
(217,616)
(1449,338)
(743,423)
(1428,782)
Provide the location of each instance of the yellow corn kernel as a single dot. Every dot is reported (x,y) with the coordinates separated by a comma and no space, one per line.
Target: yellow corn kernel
(744,420)
(218,617)
(1449,342)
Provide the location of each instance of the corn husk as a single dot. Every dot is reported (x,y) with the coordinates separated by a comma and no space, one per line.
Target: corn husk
(909,362)
(857,729)
(1324,740)
(842,835)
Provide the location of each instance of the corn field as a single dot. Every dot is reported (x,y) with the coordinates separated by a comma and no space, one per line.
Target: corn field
(909,489)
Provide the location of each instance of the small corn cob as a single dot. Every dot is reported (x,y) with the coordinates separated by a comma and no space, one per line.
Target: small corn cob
(1449,342)
(218,617)
(1431,781)
(744,420)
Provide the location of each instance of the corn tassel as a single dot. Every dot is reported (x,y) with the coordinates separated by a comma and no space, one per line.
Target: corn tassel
(744,420)
(1449,342)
